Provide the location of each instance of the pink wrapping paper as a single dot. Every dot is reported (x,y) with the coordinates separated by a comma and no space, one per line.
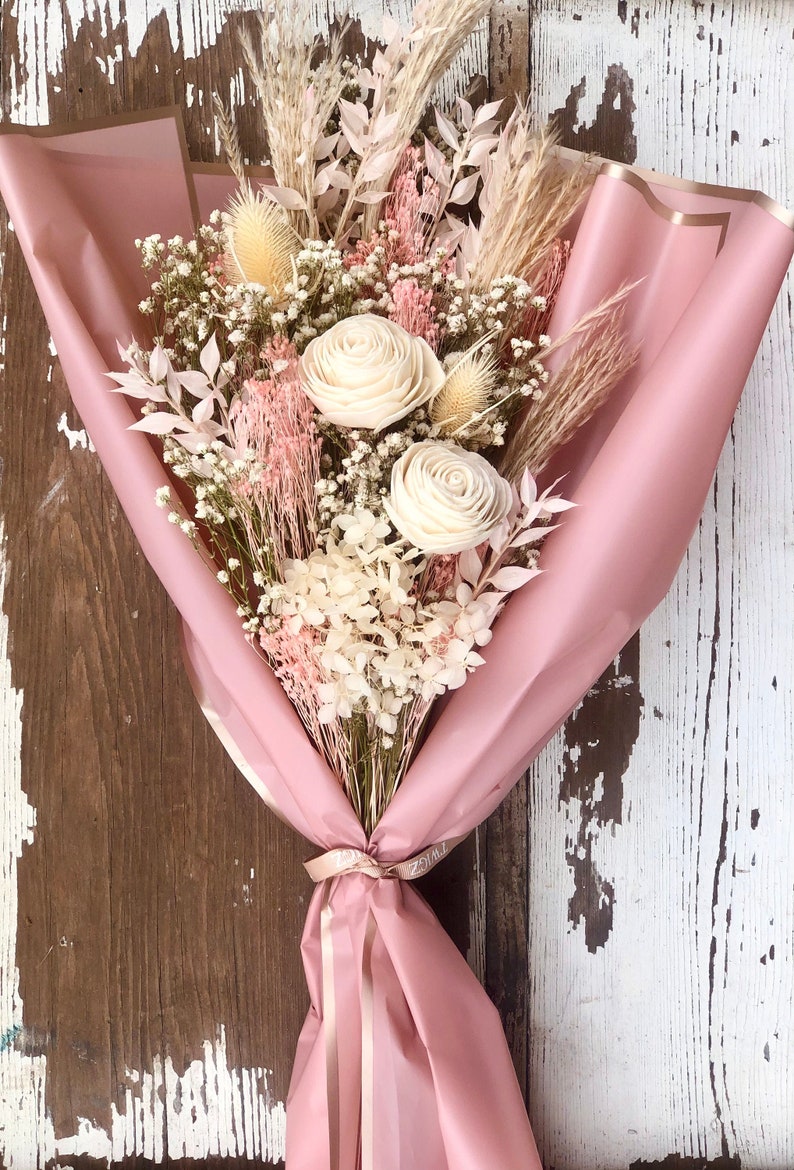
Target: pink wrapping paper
(709,263)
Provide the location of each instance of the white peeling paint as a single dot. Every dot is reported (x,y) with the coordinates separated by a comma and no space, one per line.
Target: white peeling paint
(194,25)
(21,1076)
(210,1110)
(89,1141)
(676,1036)
(75,438)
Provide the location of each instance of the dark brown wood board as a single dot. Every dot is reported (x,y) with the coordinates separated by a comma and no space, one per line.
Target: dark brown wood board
(629,907)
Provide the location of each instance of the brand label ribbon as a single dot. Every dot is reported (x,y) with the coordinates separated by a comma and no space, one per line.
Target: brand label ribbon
(336,863)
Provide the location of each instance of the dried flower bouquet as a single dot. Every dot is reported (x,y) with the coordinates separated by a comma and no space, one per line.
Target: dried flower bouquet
(348,373)
(357,371)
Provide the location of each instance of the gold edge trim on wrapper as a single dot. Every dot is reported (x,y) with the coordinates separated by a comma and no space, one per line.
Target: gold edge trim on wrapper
(741,194)
(641,178)
(101,122)
(639,175)
(685,218)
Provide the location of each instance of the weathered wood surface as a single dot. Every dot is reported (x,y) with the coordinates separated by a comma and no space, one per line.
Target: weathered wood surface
(660,820)
(630,909)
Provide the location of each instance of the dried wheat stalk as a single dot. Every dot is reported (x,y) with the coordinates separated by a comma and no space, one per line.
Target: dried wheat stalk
(230,139)
(280,64)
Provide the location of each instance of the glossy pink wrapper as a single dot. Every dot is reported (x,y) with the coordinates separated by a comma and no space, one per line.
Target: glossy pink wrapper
(708,264)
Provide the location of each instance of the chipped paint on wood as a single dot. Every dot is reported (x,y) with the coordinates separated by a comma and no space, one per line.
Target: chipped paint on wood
(598,741)
(210,1110)
(509,50)
(75,438)
(43,44)
(669,1042)
(211,1106)
(21,1076)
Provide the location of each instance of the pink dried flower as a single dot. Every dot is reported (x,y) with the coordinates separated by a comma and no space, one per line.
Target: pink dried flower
(439,576)
(275,419)
(294,660)
(295,663)
(412,307)
(405,239)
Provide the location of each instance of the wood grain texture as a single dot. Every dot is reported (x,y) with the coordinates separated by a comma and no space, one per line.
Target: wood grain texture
(160,906)
(629,910)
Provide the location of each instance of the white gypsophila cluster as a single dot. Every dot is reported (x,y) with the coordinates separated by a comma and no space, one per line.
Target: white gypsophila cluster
(368,273)
(327,290)
(366,471)
(380,646)
(318,293)
(217,480)
(477,314)
(184,288)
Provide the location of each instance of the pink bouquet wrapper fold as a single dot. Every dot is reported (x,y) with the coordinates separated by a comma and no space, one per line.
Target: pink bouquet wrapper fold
(424,1076)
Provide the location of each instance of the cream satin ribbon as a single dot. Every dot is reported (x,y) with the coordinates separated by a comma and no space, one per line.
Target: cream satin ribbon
(335,863)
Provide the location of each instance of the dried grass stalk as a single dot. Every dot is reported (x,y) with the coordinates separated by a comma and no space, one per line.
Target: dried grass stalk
(230,139)
(530,196)
(584,381)
(440,29)
(280,65)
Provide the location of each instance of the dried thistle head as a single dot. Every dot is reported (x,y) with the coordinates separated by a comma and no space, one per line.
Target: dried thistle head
(260,243)
(465,393)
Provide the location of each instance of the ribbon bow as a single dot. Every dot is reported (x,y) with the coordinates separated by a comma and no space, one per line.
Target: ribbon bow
(336,863)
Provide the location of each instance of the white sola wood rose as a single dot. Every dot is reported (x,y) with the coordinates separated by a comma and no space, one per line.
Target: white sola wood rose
(366,371)
(445,499)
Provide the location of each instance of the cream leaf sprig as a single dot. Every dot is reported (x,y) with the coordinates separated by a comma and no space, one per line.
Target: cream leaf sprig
(491,574)
(471,145)
(153,378)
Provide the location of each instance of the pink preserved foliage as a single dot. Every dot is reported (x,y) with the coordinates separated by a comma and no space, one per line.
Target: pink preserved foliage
(439,576)
(275,419)
(295,663)
(294,660)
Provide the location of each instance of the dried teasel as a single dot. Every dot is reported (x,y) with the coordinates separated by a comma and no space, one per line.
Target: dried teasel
(465,393)
(260,244)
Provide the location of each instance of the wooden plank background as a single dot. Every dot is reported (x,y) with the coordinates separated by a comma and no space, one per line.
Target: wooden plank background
(630,908)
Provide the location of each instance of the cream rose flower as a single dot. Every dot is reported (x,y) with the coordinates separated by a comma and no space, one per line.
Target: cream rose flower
(445,499)
(366,371)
